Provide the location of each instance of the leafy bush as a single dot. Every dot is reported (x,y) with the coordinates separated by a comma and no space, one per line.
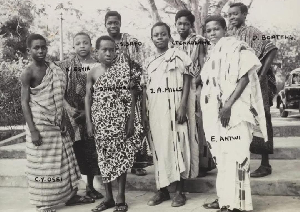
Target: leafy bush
(10,93)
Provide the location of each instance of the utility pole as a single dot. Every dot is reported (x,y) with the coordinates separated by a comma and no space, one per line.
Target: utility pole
(61,39)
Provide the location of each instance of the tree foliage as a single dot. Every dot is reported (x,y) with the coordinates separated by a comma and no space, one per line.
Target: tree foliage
(16,19)
(10,92)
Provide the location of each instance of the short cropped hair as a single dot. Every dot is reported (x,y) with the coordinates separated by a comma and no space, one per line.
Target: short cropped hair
(83,33)
(217,18)
(243,8)
(104,37)
(112,13)
(185,13)
(161,24)
(33,37)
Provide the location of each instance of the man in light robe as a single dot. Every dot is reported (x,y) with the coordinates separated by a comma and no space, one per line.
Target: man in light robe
(232,108)
(166,91)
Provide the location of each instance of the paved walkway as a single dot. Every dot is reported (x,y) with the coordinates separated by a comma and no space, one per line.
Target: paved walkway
(16,200)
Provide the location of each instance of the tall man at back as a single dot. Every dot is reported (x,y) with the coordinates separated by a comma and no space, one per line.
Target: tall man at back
(194,46)
(129,47)
(266,52)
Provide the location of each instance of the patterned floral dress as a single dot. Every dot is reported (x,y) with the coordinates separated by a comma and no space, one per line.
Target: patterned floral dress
(111,109)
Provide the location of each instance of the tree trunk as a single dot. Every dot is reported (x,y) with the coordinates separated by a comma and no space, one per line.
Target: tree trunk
(250,4)
(195,10)
(216,7)
(204,13)
(178,4)
(154,12)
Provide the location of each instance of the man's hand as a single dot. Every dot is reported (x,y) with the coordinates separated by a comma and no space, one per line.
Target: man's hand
(79,117)
(130,127)
(181,115)
(224,114)
(90,130)
(36,137)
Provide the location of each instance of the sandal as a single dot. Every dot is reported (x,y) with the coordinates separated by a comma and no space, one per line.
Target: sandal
(45,209)
(213,205)
(225,209)
(121,207)
(92,193)
(139,172)
(79,200)
(104,205)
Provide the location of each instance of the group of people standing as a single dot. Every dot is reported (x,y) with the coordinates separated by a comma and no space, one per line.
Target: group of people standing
(199,103)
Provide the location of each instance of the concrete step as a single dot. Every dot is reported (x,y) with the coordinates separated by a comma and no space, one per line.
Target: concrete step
(11,135)
(284,148)
(285,127)
(284,181)
(137,201)
(16,139)
(17,151)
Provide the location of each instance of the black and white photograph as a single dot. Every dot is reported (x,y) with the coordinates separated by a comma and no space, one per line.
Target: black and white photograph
(149,105)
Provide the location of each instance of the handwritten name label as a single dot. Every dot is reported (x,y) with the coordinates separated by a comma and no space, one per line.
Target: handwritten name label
(48,179)
(113,88)
(269,37)
(226,138)
(166,90)
(79,69)
(135,43)
(205,42)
